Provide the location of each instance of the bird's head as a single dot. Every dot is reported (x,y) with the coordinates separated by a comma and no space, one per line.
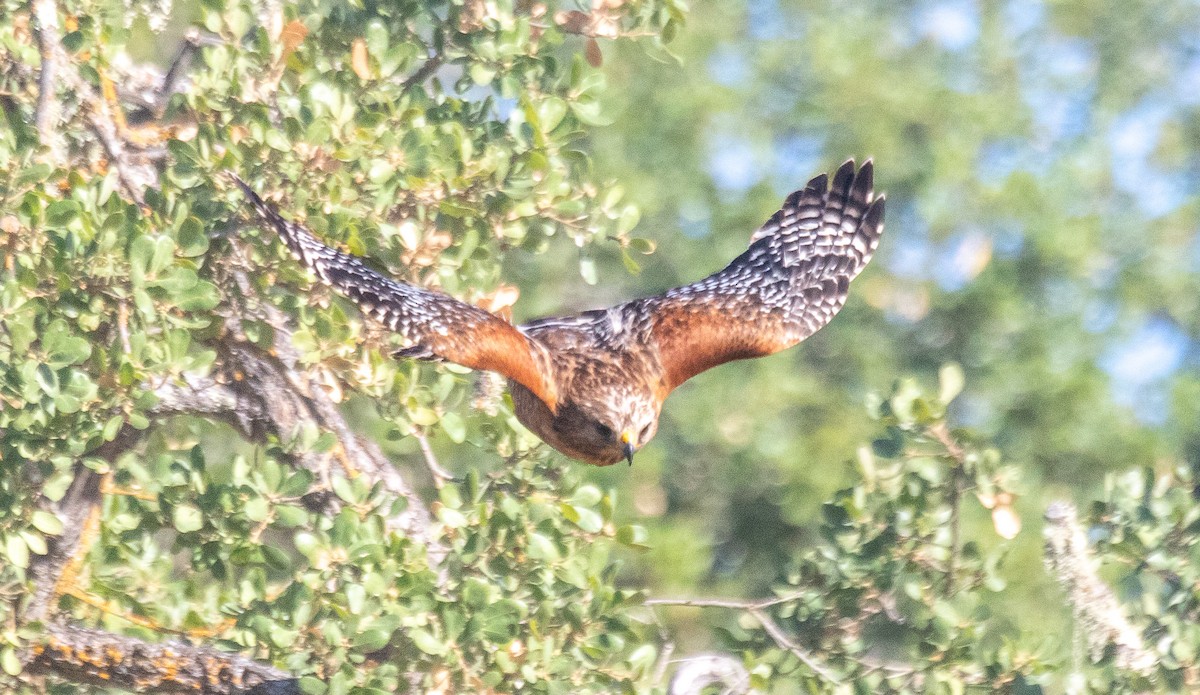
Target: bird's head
(605,431)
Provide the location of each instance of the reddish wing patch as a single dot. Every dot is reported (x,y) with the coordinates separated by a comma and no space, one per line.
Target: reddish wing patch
(692,338)
(496,346)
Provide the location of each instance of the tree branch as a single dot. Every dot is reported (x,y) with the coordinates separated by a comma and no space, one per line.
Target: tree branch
(756,609)
(440,475)
(422,73)
(735,603)
(94,657)
(47,115)
(291,386)
(1097,612)
(784,641)
(959,457)
(81,501)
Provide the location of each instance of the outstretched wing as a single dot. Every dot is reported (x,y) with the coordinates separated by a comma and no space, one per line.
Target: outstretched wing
(438,325)
(790,282)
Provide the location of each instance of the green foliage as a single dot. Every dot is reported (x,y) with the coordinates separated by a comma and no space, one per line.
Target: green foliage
(434,137)
(527,598)
(897,595)
(1146,527)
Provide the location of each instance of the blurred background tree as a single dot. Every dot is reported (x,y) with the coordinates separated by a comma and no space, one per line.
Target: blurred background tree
(1040,161)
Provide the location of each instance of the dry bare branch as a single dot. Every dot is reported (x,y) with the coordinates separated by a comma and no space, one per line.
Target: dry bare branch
(757,610)
(1097,612)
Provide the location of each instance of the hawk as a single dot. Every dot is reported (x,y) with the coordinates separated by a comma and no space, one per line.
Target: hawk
(592,385)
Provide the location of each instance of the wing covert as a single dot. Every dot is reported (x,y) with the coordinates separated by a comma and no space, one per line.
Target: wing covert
(788,284)
(438,325)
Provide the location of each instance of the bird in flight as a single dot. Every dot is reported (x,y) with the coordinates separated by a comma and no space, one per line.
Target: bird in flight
(592,385)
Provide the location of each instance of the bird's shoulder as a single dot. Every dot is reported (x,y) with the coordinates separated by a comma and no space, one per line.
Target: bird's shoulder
(616,328)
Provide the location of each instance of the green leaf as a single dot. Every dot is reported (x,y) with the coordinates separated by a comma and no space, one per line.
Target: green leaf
(642,246)
(16,551)
(344,488)
(62,213)
(296,484)
(629,218)
(372,640)
(454,427)
(587,269)
(62,348)
(47,379)
(539,547)
(257,509)
(587,495)
(201,296)
(176,280)
(163,254)
(282,637)
(420,415)
(500,620)
(426,642)
(187,518)
(112,427)
(46,522)
(589,111)
(307,544)
(642,659)
(452,517)
(550,112)
(291,516)
(631,265)
(950,382)
(192,239)
(633,536)
(9,661)
(889,446)
(32,174)
(481,74)
(276,140)
(36,542)
(583,517)
(356,598)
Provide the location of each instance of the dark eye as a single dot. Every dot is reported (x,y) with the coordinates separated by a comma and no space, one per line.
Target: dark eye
(604,431)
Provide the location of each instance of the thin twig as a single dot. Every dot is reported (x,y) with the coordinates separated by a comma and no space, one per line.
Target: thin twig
(756,609)
(123,326)
(784,641)
(105,128)
(422,73)
(668,648)
(718,602)
(440,475)
(956,453)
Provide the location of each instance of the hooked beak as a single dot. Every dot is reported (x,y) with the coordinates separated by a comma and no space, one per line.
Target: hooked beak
(627,440)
